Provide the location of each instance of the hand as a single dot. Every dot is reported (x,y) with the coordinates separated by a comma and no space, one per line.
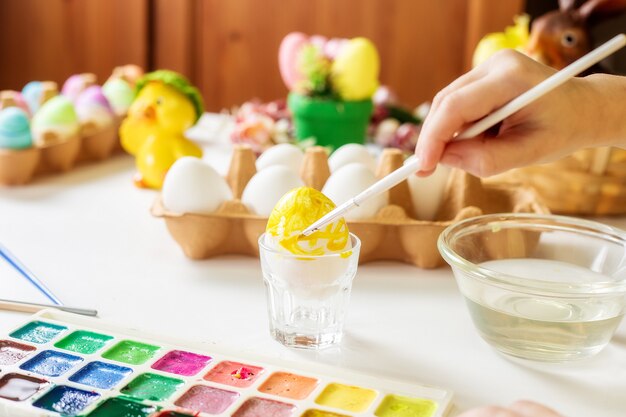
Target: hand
(517,409)
(568,118)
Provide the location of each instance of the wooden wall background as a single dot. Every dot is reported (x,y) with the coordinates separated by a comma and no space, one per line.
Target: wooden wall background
(229,47)
(53,39)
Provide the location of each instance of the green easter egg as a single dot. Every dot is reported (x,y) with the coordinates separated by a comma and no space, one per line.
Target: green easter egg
(57,111)
(119,93)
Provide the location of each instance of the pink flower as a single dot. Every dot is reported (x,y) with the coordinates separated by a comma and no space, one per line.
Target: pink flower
(262,125)
(255,130)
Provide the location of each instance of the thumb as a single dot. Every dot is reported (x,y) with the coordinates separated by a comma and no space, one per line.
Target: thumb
(488,156)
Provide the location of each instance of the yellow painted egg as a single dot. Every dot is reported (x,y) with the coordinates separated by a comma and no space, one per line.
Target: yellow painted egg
(297,210)
(354,72)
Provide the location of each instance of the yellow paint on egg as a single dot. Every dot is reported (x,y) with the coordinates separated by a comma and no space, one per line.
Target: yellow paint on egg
(297,210)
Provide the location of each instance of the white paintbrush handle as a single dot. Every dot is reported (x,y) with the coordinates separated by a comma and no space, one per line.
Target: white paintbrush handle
(479,127)
(27,307)
(394,178)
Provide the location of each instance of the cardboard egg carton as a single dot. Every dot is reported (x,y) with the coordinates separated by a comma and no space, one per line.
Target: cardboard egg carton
(49,155)
(391,235)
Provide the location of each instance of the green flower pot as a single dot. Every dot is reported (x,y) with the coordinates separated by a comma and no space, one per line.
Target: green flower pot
(331,122)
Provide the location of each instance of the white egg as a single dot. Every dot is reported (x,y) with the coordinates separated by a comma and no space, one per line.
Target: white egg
(193,186)
(283,154)
(427,192)
(267,186)
(350,153)
(347,182)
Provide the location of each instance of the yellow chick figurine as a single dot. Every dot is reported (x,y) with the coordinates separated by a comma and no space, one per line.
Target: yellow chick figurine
(166,105)
(513,37)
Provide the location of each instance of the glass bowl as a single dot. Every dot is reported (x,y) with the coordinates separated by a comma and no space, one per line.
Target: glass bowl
(540,287)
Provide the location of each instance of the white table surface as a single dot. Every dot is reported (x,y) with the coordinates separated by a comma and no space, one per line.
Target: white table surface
(89,235)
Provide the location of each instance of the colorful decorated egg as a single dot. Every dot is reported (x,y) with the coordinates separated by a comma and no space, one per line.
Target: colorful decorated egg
(14,129)
(120,94)
(297,210)
(354,72)
(288,58)
(56,121)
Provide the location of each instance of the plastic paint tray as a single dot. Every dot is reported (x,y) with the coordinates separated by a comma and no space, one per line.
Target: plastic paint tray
(87,367)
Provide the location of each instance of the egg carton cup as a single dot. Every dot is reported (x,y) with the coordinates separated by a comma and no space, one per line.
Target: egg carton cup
(97,143)
(51,154)
(130,73)
(117,144)
(392,235)
(18,167)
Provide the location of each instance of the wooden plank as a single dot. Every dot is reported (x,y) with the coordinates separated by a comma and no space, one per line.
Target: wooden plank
(229,48)
(53,39)
(174,40)
(487,16)
(421,43)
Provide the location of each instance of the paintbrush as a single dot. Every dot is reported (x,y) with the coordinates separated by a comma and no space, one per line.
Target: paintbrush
(26,273)
(413,165)
(27,307)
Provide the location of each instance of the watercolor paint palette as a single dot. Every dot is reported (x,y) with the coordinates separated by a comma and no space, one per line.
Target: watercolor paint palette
(60,364)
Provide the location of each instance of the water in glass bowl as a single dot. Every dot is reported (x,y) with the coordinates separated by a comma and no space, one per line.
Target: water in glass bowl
(551,328)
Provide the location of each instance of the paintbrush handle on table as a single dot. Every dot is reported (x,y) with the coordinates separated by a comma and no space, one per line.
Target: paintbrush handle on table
(26,307)
(413,165)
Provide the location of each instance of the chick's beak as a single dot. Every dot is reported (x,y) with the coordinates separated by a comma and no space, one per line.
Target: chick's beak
(149,112)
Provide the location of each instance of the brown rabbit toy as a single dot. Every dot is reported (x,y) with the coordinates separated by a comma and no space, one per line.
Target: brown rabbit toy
(560,37)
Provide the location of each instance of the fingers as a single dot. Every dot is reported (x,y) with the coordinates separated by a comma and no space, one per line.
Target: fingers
(489,156)
(463,80)
(513,147)
(467,78)
(458,108)
(532,409)
(474,95)
(481,158)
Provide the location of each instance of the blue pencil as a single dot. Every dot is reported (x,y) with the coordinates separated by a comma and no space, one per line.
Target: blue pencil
(21,268)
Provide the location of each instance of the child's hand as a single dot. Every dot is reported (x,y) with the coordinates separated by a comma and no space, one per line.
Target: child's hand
(580,113)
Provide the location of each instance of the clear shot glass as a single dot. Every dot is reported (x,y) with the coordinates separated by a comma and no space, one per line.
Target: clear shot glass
(308,296)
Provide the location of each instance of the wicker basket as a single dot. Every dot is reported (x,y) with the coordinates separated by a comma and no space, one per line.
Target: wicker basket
(589,182)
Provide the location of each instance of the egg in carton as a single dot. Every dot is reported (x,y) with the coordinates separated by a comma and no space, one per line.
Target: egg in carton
(98,124)
(54,143)
(79,125)
(119,89)
(20,157)
(56,133)
(392,232)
